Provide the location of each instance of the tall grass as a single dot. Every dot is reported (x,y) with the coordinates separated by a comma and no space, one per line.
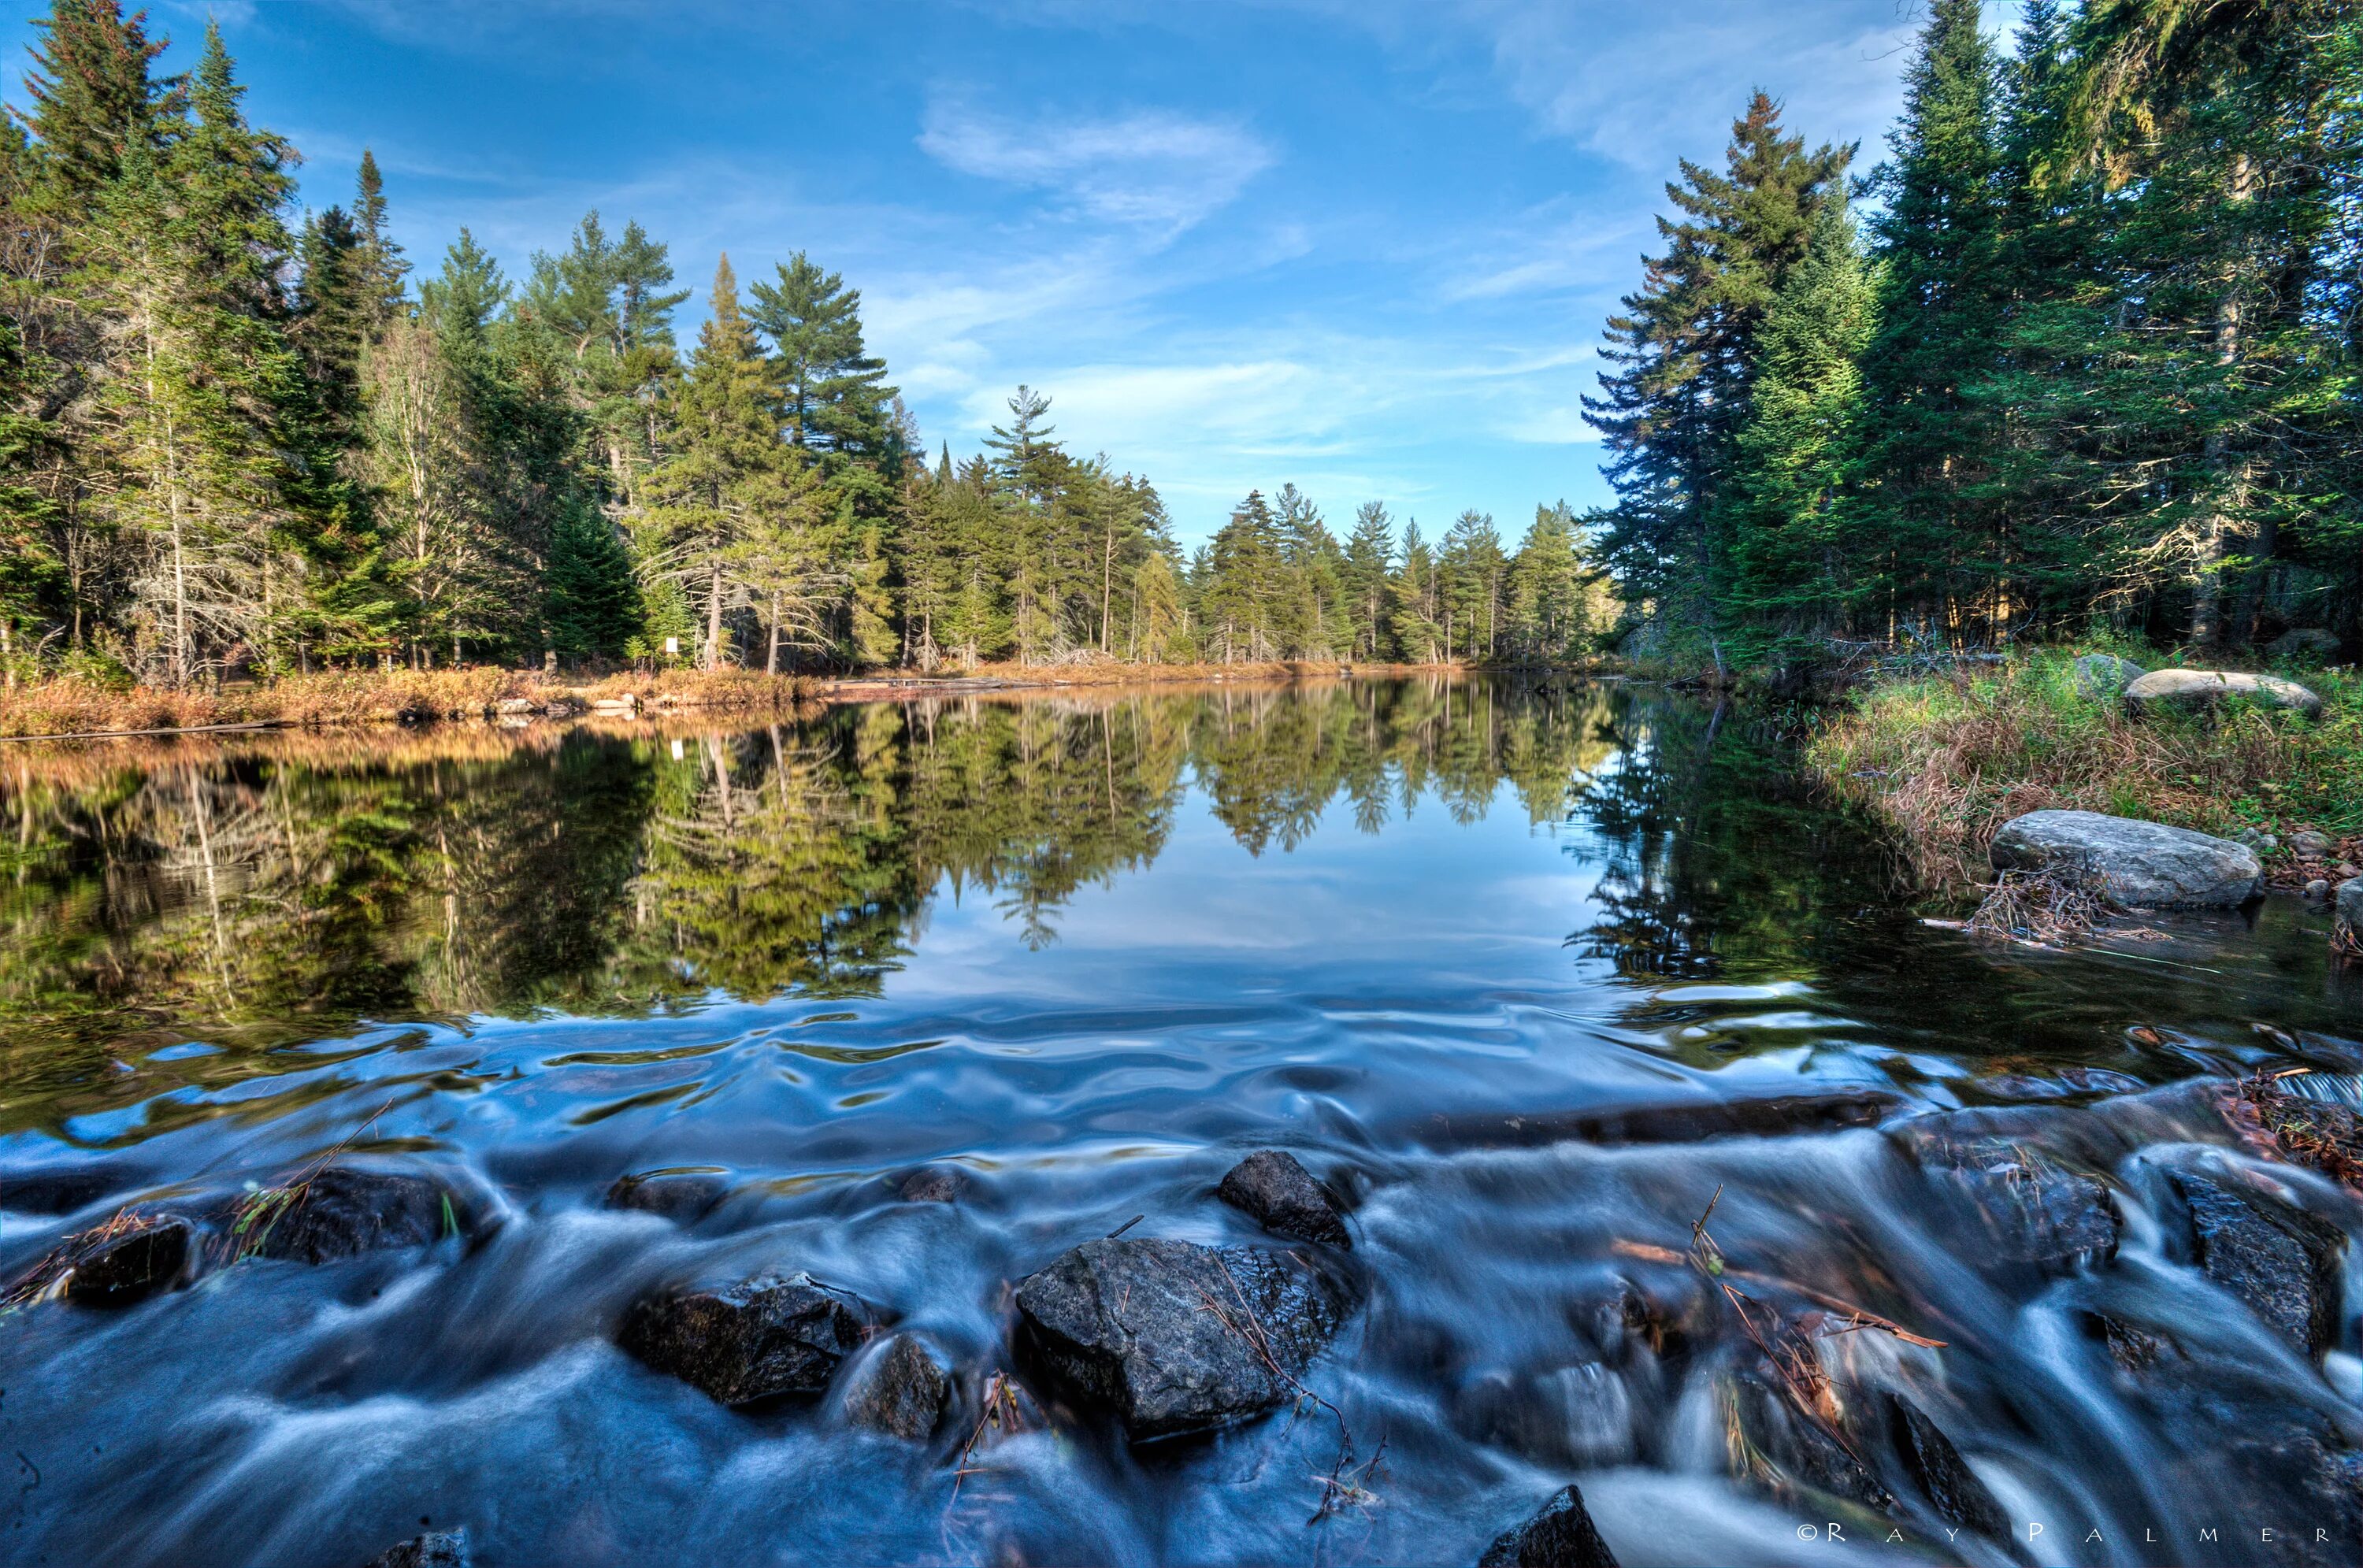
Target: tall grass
(1948,761)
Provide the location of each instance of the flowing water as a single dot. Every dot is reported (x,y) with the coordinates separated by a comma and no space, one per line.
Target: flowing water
(1528,972)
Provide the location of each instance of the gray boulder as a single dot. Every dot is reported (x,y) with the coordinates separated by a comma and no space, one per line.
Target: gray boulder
(901,1389)
(756,1340)
(2307,644)
(2307,844)
(1285,1198)
(344,1211)
(2191,690)
(1176,1338)
(2284,1263)
(2103,678)
(2349,902)
(1561,1535)
(2132,863)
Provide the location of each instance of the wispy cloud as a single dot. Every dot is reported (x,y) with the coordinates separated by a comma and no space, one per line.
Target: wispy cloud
(1150,167)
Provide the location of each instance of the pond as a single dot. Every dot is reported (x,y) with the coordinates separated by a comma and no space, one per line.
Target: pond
(915,997)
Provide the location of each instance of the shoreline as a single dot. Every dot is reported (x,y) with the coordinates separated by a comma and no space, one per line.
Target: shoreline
(65,711)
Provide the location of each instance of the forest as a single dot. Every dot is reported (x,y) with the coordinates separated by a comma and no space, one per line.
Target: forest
(238,439)
(2086,360)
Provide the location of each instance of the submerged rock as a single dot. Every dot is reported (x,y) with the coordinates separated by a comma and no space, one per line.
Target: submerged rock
(128,1262)
(1176,1338)
(901,1389)
(2197,688)
(2103,678)
(2129,862)
(756,1340)
(931,1183)
(2284,1263)
(1799,1451)
(1561,1535)
(682,1196)
(434,1550)
(1938,1469)
(1285,1198)
(342,1212)
(2036,1214)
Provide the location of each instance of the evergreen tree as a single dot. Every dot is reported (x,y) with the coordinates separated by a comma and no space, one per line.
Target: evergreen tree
(1799,549)
(1683,349)
(1369,559)
(833,392)
(594,609)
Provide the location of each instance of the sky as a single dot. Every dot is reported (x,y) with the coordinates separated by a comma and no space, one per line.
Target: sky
(1364,246)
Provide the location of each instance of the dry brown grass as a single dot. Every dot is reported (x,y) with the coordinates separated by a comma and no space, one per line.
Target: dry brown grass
(1948,761)
(336,698)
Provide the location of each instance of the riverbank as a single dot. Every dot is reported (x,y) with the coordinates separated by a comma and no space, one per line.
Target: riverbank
(1947,760)
(65,710)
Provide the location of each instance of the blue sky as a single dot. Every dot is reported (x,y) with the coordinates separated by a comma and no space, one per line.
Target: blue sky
(1364,245)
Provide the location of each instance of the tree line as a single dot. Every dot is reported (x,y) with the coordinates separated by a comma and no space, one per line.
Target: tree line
(2089,356)
(241,438)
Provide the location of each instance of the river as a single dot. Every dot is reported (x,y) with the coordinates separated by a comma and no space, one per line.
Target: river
(1527,972)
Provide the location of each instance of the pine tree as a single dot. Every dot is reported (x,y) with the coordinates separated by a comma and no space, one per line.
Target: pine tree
(1683,349)
(594,607)
(1369,559)
(1798,547)
(1942,302)
(835,396)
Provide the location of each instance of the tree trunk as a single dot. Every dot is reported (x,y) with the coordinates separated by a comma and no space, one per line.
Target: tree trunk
(2207,595)
(714,616)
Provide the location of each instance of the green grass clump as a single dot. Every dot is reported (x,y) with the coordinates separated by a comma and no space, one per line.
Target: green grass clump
(1949,759)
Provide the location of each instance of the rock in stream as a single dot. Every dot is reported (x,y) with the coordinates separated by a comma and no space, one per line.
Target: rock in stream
(2133,864)
(759,1339)
(901,1389)
(1172,1337)
(2284,1263)
(1285,1198)
(1561,1535)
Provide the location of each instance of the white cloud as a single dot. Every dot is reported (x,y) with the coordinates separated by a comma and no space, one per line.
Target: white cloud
(1151,167)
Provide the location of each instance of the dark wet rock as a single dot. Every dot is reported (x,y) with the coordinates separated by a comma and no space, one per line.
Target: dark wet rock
(2193,689)
(756,1340)
(1580,1415)
(932,1184)
(2034,1214)
(1172,1337)
(125,1262)
(1801,1452)
(2132,863)
(342,1212)
(1285,1198)
(1561,1535)
(682,1195)
(2133,1347)
(436,1551)
(2284,1263)
(2103,678)
(1664,1314)
(900,1390)
(2348,904)
(1936,1467)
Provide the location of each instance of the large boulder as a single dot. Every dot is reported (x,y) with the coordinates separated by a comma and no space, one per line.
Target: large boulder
(2103,678)
(2132,863)
(2308,644)
(1173,1337)
(1561,1535)
(1285,1198)
(901,1389)
(2348,906)
(2196,689)
(2285,1263)
(743,1343)
(341,1213)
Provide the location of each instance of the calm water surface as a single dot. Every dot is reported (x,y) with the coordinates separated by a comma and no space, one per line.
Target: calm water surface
(1527,971)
